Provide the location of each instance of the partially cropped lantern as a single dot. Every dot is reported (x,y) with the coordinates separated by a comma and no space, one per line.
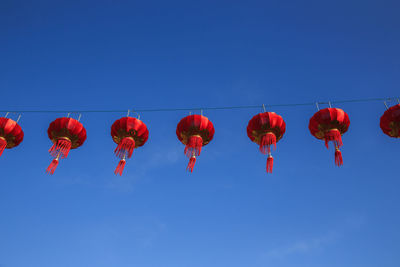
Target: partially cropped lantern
(330,124)
(390,121)
(194,131)
(128,133)
(66,134)
(11,134)
(266,129)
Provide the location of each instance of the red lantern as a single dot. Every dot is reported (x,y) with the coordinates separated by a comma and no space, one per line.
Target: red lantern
(129,133)
(265,129)
(194,131)
(66,134)
(390,121)
(330,124)
(11,134)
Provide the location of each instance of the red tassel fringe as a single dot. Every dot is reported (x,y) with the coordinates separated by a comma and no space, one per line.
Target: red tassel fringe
(338,158)
(3,145)
(270,163)
(193,146)
(190,166)
(60,148)
(266,141)
(335,136)
(120,167)
(52,167)
(125,148)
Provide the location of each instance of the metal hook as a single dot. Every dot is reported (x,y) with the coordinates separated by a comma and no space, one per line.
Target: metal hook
(265,110)
(129,111)
(70,113)
(19,115)
(316,103)
(329,102)
(133,111)
(384,102)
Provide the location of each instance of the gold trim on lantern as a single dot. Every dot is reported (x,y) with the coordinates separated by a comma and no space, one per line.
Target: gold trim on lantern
(132,134)
(65,134)
(258,134)
(9,138)
(395,129)
(186,137)
(334,125)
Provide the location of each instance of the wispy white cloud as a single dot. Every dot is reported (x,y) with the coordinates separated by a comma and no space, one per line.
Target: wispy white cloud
(310,245)
(302,246)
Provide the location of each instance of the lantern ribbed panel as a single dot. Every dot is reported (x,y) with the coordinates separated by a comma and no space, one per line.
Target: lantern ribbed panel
(194,131)
(11,132)
(266,129)
(128,133)
(66,134)
(330,124)
(390,121)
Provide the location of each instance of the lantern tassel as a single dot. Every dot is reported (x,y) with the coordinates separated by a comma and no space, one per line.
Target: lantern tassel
(52,167)
(270,163)
(125,148)
(193,146)
(60,148)
(192,161)
(3,145)
(120,167)
(338,157)
(335,136)
(266,141)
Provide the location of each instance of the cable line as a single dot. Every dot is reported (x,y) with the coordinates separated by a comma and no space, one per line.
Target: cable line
(361,100)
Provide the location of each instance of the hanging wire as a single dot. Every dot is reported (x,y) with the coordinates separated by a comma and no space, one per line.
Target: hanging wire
(134,112)
(209,108)
(79,116)
(18,118)
(138,115)
(384,102)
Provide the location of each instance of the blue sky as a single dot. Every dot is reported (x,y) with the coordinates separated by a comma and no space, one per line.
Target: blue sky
(74,55)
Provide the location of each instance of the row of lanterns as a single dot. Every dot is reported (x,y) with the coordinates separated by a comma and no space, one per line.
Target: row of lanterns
(194,131)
